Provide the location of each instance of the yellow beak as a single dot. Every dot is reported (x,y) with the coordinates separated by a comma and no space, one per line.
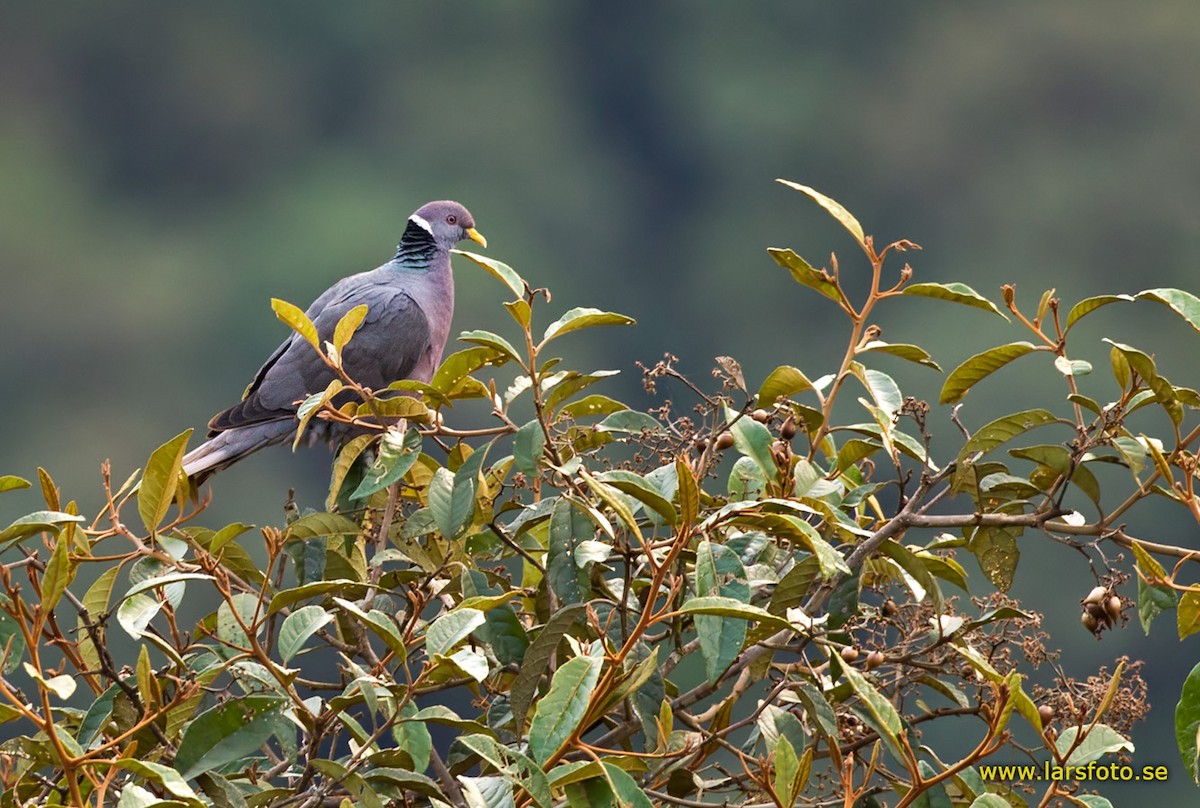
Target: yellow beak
(476,236)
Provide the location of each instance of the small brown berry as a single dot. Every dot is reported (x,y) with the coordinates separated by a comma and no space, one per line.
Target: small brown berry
(788,430)
(1046,713)
(760,415)
(724,441)
(889,608)
(874,660)
(1097,595)
(701,444)
(1089,622)
(849,653)
(1113,607)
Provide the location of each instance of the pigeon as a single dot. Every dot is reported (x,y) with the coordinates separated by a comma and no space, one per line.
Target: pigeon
(409,300)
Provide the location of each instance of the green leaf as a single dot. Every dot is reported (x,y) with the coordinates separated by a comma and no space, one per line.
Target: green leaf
(995,548)
(500,271)
(754,441)
(643,491)
(1164,392)
(490,340)
(877,705)
(135,613)
(855,450)
(719,572)
(160,480)
(579,318)
(37,522)
(569,528)
(1188,615)
(518,768)
(787,769)
(298,627)
(955,293)
(805,274)
(993,434)
(979,367)
(228,733)
(451,628)
(594,404)
(528,444)
(1092,801)
(630,421)
(834,208)
(458,366)
(315,525)
(398,452)
(1185,304)
(520,311)
(1187,723)
(538,656)
(688,491)
(784,381)
(452,495)
(729,607)
(347,325)
(828,558)
(165,580)
(626,789)
(97,716)
(882,387)
(297,320)
(165,776)
(1072,367)
(413,738)
(564,706)
(561,386)
(920,579)
(311,406)
(11,482)
(1153,600)
(58,576)
(342,586)
(1100,741)
(346,458)
(379,622)
(913,353)
(1090,304)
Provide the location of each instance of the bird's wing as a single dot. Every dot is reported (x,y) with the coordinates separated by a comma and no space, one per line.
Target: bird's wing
(389,343)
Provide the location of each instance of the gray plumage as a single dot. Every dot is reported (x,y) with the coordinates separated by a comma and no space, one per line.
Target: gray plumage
(410,301)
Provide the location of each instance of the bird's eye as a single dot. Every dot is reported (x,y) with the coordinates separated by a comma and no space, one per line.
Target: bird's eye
(451,219)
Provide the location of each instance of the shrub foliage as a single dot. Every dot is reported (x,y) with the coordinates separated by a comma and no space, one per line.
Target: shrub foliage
(764,595)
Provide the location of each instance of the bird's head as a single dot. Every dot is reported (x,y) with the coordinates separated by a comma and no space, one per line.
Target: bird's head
(448,223)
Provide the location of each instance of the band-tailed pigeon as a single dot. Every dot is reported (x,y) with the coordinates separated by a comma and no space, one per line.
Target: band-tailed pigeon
(410,300)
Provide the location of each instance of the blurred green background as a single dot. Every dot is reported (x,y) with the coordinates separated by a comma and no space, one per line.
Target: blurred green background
(166,168)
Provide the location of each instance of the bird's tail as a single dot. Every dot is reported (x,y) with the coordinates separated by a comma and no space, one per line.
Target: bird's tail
(230,446)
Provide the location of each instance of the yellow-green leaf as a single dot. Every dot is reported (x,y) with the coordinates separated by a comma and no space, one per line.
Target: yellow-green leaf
(297,320)
(346,326)
(161,479)
(979,367)
(834,208)
(782,382)
(1090,304)
(806,274)
(581,317)
(955,293)
(1185,304)
(913,353)
(500,271)
(1188,614)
